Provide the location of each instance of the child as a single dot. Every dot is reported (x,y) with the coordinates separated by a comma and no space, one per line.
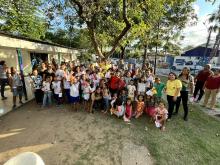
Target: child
(47,91)
(56,85)
(97,100)
(131,90)
(159,86)
(141,86)
(128,111)
(123,96)
(117,107)
(106,98)
(140,106)
(74,93)
(161,116)
(86,90)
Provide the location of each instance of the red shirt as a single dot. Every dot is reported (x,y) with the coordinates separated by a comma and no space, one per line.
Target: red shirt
(213,82)
(203,75)
(114,82)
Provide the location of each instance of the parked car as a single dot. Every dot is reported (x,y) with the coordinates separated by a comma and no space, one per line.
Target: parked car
(192,65)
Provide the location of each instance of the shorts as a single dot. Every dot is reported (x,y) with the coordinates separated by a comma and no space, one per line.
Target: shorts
(17,92)
(74,99)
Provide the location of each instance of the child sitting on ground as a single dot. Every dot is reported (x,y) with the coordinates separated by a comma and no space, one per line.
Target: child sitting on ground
(161,116)
(128,111)
(117,107)
(140,106)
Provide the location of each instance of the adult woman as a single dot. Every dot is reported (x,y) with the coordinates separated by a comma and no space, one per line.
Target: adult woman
(16,84)
(173,88)
(97,100)
(187,86)
(212,88)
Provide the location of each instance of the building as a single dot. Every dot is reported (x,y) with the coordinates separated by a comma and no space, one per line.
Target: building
(199,54)
(22,52)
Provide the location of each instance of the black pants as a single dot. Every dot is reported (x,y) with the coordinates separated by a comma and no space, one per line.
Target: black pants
(38,96)
(199,88)
(184,98)
(171,105)
(3,83)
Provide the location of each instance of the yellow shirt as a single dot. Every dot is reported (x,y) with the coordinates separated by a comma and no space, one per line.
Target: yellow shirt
(172,86)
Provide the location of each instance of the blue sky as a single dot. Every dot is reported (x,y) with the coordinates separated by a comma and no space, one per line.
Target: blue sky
(196,35)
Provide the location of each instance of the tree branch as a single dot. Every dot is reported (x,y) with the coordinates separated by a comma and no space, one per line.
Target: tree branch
(124,31)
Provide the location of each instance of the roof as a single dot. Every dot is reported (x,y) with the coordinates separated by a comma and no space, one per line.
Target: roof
(199,50)
(33,40)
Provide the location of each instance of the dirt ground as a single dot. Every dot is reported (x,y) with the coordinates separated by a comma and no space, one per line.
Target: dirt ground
(63,137)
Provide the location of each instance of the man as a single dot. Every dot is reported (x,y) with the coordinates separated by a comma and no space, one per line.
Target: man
(200,81)
(3,78)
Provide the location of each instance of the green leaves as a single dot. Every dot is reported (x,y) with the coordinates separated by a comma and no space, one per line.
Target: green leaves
(22,17)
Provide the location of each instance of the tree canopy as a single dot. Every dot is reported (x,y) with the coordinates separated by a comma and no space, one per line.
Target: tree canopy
(22,17)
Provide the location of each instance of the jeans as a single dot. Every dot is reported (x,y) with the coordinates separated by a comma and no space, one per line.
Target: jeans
(184,98)
(3,82)
(171,105)
(47,98)
(106,104)
(199,88)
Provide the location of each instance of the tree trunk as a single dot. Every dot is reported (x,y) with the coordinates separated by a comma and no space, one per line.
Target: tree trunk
(94,40)
(122,56)
(145,55)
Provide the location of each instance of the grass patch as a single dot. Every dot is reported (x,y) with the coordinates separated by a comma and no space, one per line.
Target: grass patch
(192,142)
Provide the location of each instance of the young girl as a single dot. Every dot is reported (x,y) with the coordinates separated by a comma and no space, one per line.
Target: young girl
(140,106)
(128,111)
(96,98)
(106,98)
(47,92)
(141,86)
(56,85)
(161,116)
(86,90)
(74,93)
(117,108)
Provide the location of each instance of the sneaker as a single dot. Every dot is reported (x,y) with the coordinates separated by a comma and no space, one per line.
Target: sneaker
(21,102)
(14,106)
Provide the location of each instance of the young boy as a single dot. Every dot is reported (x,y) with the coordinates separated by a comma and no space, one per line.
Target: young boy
(159,86)
(131,90)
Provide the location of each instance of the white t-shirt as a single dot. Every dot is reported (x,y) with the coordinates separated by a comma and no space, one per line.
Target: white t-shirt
(141,87)
(131,90)
(46,86)
(74,90)
(56,85)
(86,92)
(150,80)
(60,74)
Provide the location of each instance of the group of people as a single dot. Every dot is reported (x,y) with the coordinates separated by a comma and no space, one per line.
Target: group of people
(124,91)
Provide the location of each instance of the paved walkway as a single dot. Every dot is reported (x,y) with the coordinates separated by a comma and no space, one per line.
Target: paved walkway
(6,105)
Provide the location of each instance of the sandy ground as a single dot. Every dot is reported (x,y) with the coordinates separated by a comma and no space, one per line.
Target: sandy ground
(63,137)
